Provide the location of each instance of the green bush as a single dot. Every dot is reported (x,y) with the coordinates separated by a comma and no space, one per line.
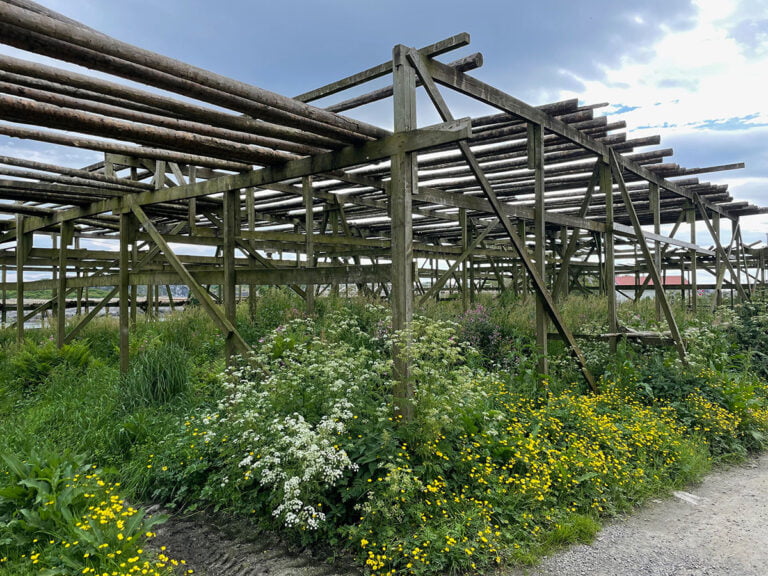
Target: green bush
(750,327)
(33,363)
(58,516)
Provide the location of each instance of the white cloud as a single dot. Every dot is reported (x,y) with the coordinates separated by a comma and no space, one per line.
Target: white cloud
(697,77)
(703,88)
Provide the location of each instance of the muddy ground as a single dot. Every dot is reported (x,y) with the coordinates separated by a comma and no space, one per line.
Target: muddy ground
(718,527)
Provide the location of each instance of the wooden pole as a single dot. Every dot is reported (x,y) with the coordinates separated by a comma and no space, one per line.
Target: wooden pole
(67,81)
(67,232)
(654,195)
(126,223)
(536,163)
(423,69)
(606,188)
(464,271)
(84,46)
(403,185)
(51,116)
(120,148)
(231,217)
(717,233)
(4,312)
(23,245)
(309,230)
(692,252)
(656,277)
(51,94)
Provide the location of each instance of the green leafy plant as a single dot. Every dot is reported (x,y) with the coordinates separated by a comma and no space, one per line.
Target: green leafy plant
(59,517)
(33,363)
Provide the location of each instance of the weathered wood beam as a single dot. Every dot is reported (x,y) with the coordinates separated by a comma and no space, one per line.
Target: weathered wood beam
(54,116)
(155,120)
(436,49)
(163,104)
(536,163)
(470,86)
(465,64)
(202,295)
(403,185)
(120,148)
(72,175)
(85,46)
(411,141)
(422,67)
(657,280)
(126,224)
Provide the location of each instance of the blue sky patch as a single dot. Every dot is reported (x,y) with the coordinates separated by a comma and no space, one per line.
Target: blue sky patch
(734,123)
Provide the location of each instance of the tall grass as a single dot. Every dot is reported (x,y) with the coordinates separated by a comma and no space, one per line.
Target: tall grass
(157,375)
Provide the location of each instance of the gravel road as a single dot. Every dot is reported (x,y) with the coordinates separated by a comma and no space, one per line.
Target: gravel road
(716,528)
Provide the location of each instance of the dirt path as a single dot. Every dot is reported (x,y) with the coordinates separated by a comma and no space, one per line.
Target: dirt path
(719,527)
(215,547)
(716,528)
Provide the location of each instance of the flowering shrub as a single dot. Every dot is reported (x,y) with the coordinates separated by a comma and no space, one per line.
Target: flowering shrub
(57,516)
(529,472)
(299,420)
(498,343)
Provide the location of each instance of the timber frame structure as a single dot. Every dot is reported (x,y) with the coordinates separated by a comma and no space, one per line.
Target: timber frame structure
(538,200)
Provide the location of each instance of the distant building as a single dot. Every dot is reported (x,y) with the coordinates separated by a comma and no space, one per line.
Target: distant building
(668,281)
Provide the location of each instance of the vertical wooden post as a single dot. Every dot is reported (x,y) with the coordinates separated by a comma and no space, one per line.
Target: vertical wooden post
(402,186)
(4,312)
(655,198)
(692,252)
(54,278)
(735,238)
(67,231)
(125,311)
(134,288)
(231,224)
(521,231)
(606,187)
(250,217)
(536,163)
(470,261)
(78,273)
(23,244)
(564,260)
(309,247)
(465,298)
(192,205)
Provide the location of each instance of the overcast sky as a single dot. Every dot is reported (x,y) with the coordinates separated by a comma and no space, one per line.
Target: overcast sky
(693,72)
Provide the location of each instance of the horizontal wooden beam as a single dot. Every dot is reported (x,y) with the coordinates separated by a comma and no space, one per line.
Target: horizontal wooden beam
(374,72)
(492,96)
(412,141)
(261,277)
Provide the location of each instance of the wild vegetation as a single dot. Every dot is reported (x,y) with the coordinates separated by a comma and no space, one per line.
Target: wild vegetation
(498,466)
